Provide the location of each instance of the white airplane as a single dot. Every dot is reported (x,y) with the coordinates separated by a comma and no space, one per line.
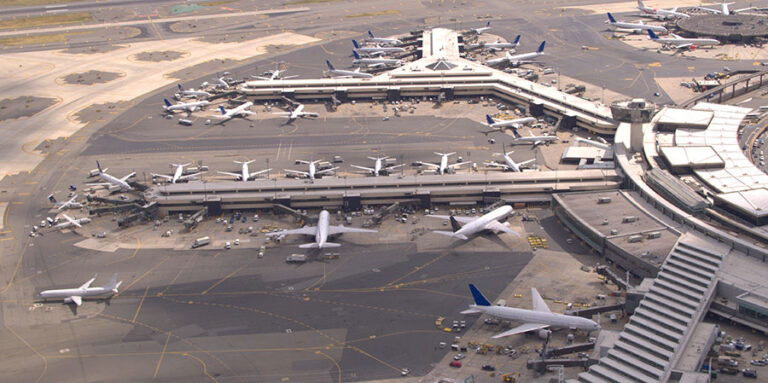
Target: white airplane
(682,42)
(481,30)
(383,40)
(375,62)
(661,14)
(537,319)
(725,9)
(444,166)
(500,125)
(321,232)
(191,93)
(297,113)
(623,26)
(222,83)
(332,71)
(376,51)
(275,74)
(79,222)
(312,170)
(178,174)
(76,295)
(498,45)
(378,167)
(112,183)
(245,173)
(188,107)
(239,111)
(71,204)
(535,140)
(509,164)
(517,60)
(475,225)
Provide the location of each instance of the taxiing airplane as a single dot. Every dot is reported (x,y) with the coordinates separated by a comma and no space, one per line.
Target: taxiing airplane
(113,183)
(376,62)
(191,93)
(476,225)
(375,51)
(660,14)
(71,204)
(297,113)
(178,174)
(239,111)
(535,140)
(725,9)
(382,40)
(378,167)
(509,164)
(322,231)
(188,107)
(245,173)
(85,291)
(537,319)
(500,125)
(682,42)
(333,72)
(312,172)
(481,30)
(517,60)
(70,222)
(623,26)
(497,46)
(444,167)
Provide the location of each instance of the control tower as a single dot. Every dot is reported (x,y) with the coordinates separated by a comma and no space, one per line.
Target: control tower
(637,112)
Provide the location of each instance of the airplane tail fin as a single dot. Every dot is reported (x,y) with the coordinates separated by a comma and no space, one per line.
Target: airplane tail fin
(514,131)
(541,47)
(52,198)
(652,35)
(480,300)
(98,165)
(167,103)
(330,66)
(354,42)
(223,111)
(489,119)
(357,56)
(640,4)
(314,245)
(610,18)
(455,225)
(180,88)
(113,284)
(517,39)
(370,34)
(488,24)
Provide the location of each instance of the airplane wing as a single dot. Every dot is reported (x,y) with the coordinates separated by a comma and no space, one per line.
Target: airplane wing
(521,329)
(683,46)
(287,114)
(363,168)
(305,174)
(495,165)
(457,218)
(236,175)
(326,170)
(306,230)
(188,176)
(311,114)
(456,165)
(498,226)
(65,204)
(162,176)
(128,176)
(707,9)
(78,300)
(332,230)
(72,221)
(431,164)
(526,162)
(377,65)
(287,77)
(88,284)
(254,174)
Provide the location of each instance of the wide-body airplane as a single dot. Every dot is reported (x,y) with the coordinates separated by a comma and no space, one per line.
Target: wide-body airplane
(188,107)
(519,59)
(113,183)
(191,93)
(682,42)
(239,111)
(498,45)
(296,113)
(475,225)
(70,222)
(312,172)
(661,14)
(623,26)
(245,173)
(537,319)
(382,40)
(725,9)
(532,139)
(375,62)
(500,125)
(378,166)
(444,166)
(509,164)
(71,204)
(376,51)
(178,174)
(321,232)
(333,72)
(77,295)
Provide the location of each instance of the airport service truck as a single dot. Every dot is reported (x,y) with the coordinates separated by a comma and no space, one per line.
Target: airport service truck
(202,241)
(296,258)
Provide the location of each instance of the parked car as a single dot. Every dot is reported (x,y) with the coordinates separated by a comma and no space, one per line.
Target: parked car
(455,363)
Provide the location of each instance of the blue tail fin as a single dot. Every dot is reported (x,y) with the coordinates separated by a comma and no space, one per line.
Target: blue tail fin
(652,35)
(488,25)
(180,88)
(354,42)
(514,131)
(478,296)
(517,39)
(489,119)
(371,34)
(357,56)
(52,198)
(330,66)
(610,17)
(223,111)
(167,103)
(541,47)
(98,165)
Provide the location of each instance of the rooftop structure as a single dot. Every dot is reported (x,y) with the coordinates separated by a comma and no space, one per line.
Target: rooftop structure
(730,28)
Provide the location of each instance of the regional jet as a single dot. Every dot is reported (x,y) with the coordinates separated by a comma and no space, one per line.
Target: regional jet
(535,140)
(509,164)
(299,112)
(517,60)
(71,204)
(76,295)
(245,173)
(682,42)
(113,183)
(476,225)
(375,62)
(312,172)
(333,72)
(191,93)
(724,9)
(178,174)
(444,167)
(497,46)
(537,319)
(239,111)
(376,51)
(321,232)
(481,30)
(70,222)
(188,107)
(383,40)
(623,26)
(378,167)
(660,14)
(500,125)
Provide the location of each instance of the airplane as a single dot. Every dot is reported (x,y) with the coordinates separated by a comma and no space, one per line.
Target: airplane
(444,166)
(503,124)
(725,9)
(475,225)
(113,183)
(239,111)
(375,62)
(661,14)
(498,45)
(321,232)
(480,31)
(682,42)
(376,51)
(178,174)
(70,222)
(517,60)
(71,204)
(297,113)
(191,93)
(383,40)
(378,167)
(275,74)
(312,170)
(76,295)
(537,319)
(346,73)
(536,140)
(245,173)
(633,27)
(189,107)
(222,83)
(509,164)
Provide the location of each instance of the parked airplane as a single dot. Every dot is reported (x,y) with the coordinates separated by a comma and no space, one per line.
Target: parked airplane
(321,232)
(71,204)
(535,140)
(378,167)
(333,72)
(79,222)
(312,172)
(275,74)
(178,174)
(497,46)
(517,60)
(188,107)
(725,9)
(682,42)
(481,30)
(245,173)
(239,111)
(191,93)
(509,164)
(661,14)
(113,183)
(76,295)
(375,62)
(444,166)
(376,51)
(623,26)
(383,40)
(475,225)
(500,125)
(297,113)
(222,83)
(537,319)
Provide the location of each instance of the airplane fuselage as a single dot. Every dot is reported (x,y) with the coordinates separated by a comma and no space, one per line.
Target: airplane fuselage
(511,165)
(512,123)
(443,164)
(312,170)
(530,316)
(66,293)
(686,41)
(321,235)
(115,181)
(638,27)
(479,224)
